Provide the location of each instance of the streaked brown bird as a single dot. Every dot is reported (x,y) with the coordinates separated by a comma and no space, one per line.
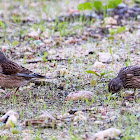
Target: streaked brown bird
(13,75)
(128,77)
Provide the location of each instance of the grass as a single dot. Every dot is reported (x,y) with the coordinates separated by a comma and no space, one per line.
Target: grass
(33,100)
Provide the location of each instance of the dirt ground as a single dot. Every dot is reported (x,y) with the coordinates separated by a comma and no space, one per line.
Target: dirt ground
(32,35)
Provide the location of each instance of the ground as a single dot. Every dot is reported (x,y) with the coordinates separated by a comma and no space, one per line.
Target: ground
(32,35)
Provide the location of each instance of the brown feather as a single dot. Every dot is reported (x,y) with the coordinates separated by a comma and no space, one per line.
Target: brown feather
(10,67)
(128,77)
(14,75)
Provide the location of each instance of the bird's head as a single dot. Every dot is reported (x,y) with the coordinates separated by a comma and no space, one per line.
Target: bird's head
(115,85)
(2,56)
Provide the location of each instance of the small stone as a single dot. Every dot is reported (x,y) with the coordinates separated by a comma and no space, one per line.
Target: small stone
(110,133)
(47,42)
(63,72)
(42,45)
(45,116)
(127,93)
(8,117)
(92,119)
(110,20)
(104,117)
(5,48)
(138,17)
(125,111)
(12,119)
(78,113)
(28,137)
(79,118)
(75,123)
(118,102)
(28,131)
(126,104)
(104,57)
(107,58)
(99,65)
(2,91)
(8,114)
(60,117)
(80,95)
(98,122)
(33,34)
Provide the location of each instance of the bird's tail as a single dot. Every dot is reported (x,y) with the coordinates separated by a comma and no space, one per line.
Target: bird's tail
(34,75)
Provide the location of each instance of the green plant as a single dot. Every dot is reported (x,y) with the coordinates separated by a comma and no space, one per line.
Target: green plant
(15,131)
(12,124)
(85,6)
(89,102)
(109,97)
(98,74)
(112,31)
(44,56)
(119,30)
(137,137)
(113,3)
(110,50)
(4,27)
(16,19)
(15,43)
(98,5)
(2,24)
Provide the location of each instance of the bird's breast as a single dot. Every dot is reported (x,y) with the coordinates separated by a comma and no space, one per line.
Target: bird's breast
(10,81)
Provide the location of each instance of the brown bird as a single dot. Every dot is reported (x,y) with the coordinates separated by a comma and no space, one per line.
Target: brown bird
(128,77)
(13,75)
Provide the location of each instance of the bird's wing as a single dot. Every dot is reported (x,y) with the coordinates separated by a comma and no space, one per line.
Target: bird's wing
(129,71)
(25,70)
(136,71)
(29,74)
(130,76)
(10,67)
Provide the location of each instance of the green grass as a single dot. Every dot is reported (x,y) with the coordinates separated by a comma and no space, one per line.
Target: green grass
(33,100)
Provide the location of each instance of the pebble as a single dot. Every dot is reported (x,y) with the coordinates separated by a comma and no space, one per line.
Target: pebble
(98,123)
(80,95)
(110,133)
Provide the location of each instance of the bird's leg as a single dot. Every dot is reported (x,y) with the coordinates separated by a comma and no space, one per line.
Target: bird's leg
(16,91)
(134,91)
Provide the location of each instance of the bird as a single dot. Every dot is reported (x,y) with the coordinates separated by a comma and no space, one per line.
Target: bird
(127,78)
(13,75)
